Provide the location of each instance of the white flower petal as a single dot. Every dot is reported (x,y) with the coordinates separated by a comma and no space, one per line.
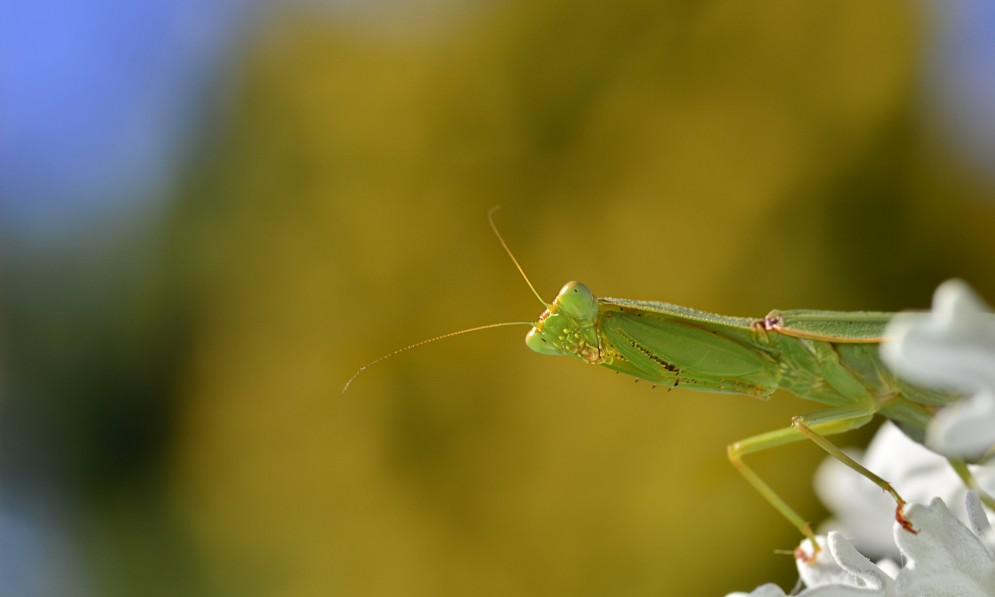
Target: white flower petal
(889,567)
(944,557)
(950,348)
(841,570)
(865,572)
(966,428)
(825,570)
(767,590)
(978,519)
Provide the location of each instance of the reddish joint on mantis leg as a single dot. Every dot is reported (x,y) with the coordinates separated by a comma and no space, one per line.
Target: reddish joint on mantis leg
(900,518)
(803,556)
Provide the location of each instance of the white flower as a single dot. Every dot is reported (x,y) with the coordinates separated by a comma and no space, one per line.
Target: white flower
(943,559)
(864,513)
(950,348)
(840,569)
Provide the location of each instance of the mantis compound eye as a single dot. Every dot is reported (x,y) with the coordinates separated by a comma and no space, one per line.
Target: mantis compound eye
(578,302)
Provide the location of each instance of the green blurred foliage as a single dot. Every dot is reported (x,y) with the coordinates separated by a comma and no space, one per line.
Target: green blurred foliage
(732,157)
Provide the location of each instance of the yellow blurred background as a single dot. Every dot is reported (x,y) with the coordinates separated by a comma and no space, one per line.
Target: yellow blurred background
(728,156)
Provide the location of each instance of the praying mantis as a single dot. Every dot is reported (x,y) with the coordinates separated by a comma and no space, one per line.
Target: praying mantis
(828,357)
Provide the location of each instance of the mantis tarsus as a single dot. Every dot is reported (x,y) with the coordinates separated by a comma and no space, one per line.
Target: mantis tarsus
(829,357)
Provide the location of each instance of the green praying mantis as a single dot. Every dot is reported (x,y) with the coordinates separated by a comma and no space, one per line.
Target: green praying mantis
(829,357)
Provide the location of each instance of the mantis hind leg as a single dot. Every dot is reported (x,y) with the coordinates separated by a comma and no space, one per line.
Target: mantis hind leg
(965,474)
(812,427)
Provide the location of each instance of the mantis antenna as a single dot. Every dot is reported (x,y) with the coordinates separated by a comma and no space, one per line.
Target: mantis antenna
(429,341)
(490,219)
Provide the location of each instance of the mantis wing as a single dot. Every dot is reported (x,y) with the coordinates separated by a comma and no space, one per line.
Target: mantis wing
(686,347)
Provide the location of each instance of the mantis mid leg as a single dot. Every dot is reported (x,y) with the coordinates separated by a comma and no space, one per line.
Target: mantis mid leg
(813,427)
(965,474)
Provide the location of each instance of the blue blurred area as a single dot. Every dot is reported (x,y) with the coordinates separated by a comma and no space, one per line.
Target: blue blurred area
(103,106)
(960,80)
(101,101)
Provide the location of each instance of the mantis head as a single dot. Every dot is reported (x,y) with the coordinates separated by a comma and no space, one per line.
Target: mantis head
(568,326)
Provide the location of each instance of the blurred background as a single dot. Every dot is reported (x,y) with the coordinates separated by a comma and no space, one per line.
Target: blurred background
(212,213)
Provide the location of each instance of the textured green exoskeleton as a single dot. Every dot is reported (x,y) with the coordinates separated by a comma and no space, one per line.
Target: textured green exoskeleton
(824,356)
(828,357)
